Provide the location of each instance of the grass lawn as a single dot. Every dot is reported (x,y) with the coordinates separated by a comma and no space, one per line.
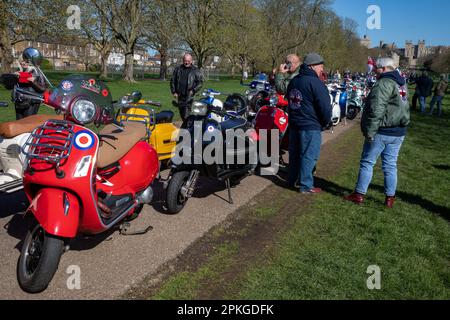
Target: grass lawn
(151,90)
(326,251)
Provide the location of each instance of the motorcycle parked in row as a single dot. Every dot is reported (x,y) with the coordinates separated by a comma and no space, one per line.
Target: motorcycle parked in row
(257,94)
(273,116)
(160,127)
(13,136)
(183,177)
(234,104)
(356,100)
(79,182)
(338,97)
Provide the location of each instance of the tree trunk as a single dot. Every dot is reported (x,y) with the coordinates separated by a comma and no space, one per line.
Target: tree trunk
(5,51)
(104,65)
(163,68)
(129,68)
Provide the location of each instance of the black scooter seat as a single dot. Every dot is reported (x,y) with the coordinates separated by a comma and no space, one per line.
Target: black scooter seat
(233,123)
(164,117)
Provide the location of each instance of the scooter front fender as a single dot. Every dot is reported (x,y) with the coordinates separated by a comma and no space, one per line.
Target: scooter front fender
(57,211)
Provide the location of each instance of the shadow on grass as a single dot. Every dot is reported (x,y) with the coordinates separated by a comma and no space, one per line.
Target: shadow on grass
(331,187)
(414,199)
(442,167)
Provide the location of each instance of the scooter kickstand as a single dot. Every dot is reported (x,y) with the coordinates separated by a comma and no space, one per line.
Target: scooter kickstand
(124,230)
(228,184)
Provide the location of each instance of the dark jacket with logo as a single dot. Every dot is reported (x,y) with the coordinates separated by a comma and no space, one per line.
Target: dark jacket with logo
(185,80)
(387,108)
(309,101)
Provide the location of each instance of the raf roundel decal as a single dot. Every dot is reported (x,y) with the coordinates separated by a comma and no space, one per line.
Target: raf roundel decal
(67,85)
(84,140)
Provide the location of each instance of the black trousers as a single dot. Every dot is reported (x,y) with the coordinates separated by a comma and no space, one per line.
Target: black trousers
(414,101)
(22,112)
(184,106)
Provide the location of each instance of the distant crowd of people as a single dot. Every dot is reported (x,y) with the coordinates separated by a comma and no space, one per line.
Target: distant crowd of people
(424,89)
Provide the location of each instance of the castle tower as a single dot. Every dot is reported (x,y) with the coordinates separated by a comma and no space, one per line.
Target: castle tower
(421,49)
(366,41)
(409,50)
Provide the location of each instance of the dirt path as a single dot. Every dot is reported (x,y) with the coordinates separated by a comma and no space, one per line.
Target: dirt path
(112,264)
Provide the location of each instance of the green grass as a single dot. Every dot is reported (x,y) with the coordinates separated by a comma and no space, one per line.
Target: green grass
(326,253)
(327,250)
(151,90)
(187,284)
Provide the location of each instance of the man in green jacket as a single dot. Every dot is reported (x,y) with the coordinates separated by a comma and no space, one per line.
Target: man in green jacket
(286,72)
(384,125)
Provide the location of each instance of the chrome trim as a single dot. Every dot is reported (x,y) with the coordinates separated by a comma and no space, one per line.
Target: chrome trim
(66,204)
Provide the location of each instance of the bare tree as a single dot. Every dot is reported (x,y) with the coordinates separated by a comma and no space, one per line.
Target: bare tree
(289,24)
(161,30)
(98,33)
(26,20)
(125,19)
(199,26)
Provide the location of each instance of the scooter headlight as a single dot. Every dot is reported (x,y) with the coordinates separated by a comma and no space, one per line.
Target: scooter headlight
(83,111)
(199,109)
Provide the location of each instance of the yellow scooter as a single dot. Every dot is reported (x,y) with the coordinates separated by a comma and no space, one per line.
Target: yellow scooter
(161,132)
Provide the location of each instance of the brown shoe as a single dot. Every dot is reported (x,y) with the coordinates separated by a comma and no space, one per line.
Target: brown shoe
(355,197)
(389,202)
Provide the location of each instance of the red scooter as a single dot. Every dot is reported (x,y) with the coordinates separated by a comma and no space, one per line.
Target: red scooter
(273,116)
(79,182)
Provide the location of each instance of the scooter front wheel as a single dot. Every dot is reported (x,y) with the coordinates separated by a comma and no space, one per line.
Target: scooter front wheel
(352,112)
(175,199)
(39,260)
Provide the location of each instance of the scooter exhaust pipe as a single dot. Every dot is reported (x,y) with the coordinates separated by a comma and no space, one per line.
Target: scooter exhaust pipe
(146,196)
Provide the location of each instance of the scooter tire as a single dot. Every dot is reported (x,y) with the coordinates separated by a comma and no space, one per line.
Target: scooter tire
(175,203)
(51,252)
(352,112)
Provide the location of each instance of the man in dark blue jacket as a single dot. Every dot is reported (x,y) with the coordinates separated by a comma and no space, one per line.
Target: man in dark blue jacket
(309,112)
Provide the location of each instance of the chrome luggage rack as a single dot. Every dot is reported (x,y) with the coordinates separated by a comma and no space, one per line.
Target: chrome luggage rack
(149,120)
(51,142)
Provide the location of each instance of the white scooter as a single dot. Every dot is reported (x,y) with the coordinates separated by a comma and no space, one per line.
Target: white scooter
(13,136)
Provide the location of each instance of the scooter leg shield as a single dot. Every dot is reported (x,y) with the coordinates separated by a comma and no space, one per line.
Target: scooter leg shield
(57,211)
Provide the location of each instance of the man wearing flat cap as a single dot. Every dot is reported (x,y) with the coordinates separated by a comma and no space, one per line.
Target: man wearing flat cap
(309,112)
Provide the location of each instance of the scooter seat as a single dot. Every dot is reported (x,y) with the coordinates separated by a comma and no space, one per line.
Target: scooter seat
(233,123)
(11,129)
(164,117)
(112,150)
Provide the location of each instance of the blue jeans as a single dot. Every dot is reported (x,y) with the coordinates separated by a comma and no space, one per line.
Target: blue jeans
(423,104)
(304,151)
(437,99)
(389,148)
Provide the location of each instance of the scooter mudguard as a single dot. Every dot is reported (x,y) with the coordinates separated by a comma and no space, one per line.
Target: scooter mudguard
(57,211)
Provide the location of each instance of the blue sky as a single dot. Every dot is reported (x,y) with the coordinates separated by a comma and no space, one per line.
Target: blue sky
(401,20)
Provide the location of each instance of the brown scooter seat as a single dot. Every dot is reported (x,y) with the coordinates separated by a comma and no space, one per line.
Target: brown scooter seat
(112,150)
(12,129)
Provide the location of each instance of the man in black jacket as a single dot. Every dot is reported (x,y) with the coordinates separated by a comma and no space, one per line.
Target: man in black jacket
(424,86)
(309,112)
(186,81)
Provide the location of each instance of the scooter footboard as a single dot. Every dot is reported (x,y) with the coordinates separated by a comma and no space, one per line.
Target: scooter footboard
(57,211)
